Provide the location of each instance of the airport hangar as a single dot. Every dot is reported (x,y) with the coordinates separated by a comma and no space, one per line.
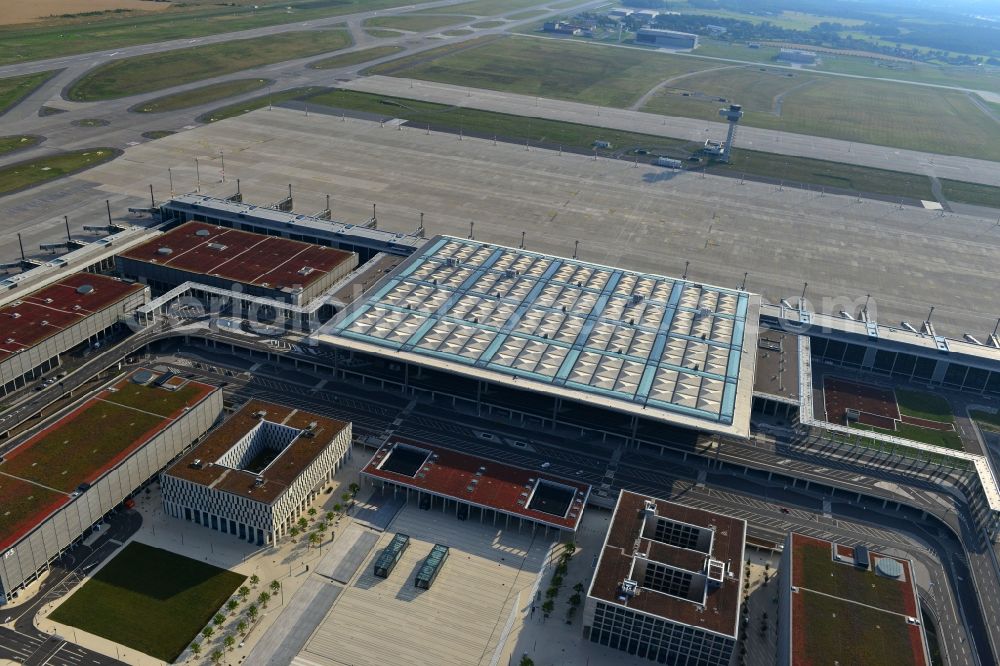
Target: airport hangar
(59,482)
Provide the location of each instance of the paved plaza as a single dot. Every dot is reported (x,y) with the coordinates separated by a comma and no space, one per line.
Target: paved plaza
(643,218)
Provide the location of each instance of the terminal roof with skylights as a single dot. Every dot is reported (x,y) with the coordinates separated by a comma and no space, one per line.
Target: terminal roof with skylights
(663,348)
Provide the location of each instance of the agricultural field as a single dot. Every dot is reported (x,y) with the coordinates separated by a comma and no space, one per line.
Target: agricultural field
(15,88)
(156,71)
(150,600)
(558,69)
(865,111)
(199,96)
(22,175)
(355,57)
(970,193)
(68,36)
(416,22)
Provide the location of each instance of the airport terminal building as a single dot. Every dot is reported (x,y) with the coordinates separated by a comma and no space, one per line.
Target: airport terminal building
(63,480)
(41,326)
(257,472)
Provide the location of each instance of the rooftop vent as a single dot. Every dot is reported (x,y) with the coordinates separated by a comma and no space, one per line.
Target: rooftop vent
(306,270)
(629,588)
(85,289)
(202,233)
(165,251)
(16,315)
(48,300)
(261,414)
(217,246)
(259,481)
(197,463)
(650,508)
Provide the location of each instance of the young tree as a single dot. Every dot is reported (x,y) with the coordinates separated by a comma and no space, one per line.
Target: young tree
(303,523)
(196,648)
(263,598)
(578,587)
(526,661)
(275,587)
(229,642)
(354,489)
(254,580)
(346,497)
(218,619)
(208,632)
(330,515)
(321,527)
(548,606)
(312,512)
(217,656)
(232,605)
(314,539)
(252,612)
(244,591)
(337,508)
(294,532)
(241,627)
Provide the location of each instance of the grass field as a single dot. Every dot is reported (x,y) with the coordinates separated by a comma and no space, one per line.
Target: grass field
(150,600)
(29,173)
(558,69)
(356,57)
(249,105)
(987,420)
(816,570)
(487,7)
(485,25)
(458,32)
(970,193)
(199,96)
(416,22)
(69,36)
(155,71)
(383,33)
(531,13)
(878,112)
(922,405)
(15,88)
(948,439)
(157,134)
(818,173)
(9,144)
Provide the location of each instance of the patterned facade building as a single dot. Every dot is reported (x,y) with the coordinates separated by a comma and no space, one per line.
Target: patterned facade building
(667,585)
(258,472)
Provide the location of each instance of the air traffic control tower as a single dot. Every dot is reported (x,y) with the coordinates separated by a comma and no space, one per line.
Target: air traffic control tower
(733,115)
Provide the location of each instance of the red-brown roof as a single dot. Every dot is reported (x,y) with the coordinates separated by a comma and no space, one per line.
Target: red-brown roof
(498,486)
(53,309)
(40,475)
(722,603)
(265,261)
(280,474)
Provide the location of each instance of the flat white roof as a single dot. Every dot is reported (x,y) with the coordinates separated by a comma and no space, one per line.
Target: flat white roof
(664,348)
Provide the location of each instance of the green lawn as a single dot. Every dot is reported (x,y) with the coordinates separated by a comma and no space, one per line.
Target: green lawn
(531,13)
(836,631)
(558,69)
(816,570)
(199,96)
(415,22)
(356,57)
(20,502)
(487,7)
(382,33)
(52,38)
(153,399)
(261,102)
(155,71)
(877,112)
(150,600)
(9,144)
(157,134)
(818,173)
(15,88)
(970,193)
(923,405)
(987,420)
(948,439)
(485,25)
(822,173)
(29,173)
(458,32)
